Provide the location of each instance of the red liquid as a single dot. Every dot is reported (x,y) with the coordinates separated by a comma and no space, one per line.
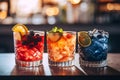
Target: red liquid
(29,51)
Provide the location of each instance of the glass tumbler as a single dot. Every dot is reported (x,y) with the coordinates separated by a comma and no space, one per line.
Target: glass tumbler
(61,48)
(29,48)
(93,48)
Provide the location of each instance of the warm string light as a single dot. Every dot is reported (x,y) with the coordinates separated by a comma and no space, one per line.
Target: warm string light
(3,8)
(52,11)
(3,14)
(74,1)
(114,6)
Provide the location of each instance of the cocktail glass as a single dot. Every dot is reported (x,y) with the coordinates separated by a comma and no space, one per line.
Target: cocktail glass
(29,48)
(61,48)
(93,48)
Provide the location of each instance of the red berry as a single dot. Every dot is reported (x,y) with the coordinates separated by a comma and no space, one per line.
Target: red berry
(69,35)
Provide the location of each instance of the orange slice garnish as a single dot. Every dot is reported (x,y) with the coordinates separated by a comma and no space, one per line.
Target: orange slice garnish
(83,39)
(54,36)
(22,29)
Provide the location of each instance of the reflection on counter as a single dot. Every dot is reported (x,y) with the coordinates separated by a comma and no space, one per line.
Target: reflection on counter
(63,71)
(28,71)
(100,71)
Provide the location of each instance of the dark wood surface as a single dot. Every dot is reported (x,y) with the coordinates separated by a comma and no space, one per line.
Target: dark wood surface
(8,67)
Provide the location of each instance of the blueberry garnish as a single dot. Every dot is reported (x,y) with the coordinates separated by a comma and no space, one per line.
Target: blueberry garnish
(24,42)
(31,44)
(31,33)
(38,38)
(32,39)
(35,43)
(29,37)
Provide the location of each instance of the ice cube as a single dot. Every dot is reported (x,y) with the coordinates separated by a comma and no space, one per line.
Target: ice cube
(100,33)
(103,40)
(95,31)
(98,44)
(96,34)
(105,47)
(90,33)
(99,36)
(106,34)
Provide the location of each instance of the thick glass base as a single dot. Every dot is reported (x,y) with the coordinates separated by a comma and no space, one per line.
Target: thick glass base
(28,63)
(93,63)
(61,64)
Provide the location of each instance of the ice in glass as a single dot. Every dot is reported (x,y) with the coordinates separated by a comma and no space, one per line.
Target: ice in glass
(93,48)
(61,47)
(28,45)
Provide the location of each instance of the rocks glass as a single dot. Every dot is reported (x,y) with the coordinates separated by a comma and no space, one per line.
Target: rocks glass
(61,48)
(29,48)
(93,48)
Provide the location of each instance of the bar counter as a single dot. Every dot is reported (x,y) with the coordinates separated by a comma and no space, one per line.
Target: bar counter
(8,67)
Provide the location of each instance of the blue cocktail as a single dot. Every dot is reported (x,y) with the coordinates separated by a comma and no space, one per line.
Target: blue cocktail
(93,48)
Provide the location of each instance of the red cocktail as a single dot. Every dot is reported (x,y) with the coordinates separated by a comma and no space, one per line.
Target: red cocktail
(29,48)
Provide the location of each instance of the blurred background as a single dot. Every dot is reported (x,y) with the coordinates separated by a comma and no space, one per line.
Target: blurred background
(74,15)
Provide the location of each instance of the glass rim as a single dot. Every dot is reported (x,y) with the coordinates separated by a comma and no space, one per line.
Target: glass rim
(37,31)
(32,30)
(64,31)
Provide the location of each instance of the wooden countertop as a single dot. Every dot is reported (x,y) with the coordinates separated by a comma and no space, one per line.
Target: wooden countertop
(7,67)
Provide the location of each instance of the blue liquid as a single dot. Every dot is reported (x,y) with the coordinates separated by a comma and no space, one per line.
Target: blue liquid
(97,51)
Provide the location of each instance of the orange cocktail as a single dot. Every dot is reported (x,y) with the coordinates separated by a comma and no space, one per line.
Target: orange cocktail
(61,47)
